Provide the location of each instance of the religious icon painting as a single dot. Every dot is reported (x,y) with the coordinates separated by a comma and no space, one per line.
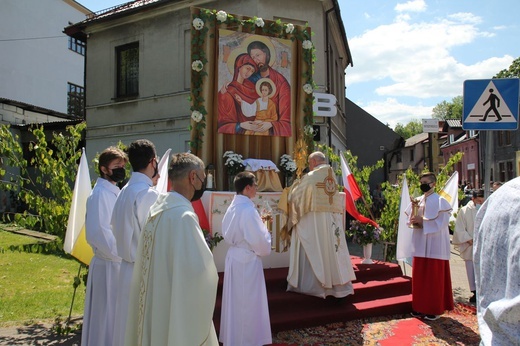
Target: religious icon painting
(254,84)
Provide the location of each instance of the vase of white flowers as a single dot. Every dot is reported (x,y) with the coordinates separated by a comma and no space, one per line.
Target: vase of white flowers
(288,168)
(234,165)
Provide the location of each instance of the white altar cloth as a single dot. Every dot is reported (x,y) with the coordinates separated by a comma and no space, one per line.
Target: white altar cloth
(215,205)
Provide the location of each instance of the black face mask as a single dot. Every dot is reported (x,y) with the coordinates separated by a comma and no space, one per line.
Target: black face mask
(425,187)
(118,174)
(155,170)
(198,193)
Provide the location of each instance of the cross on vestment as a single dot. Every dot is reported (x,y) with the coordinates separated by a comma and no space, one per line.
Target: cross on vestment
(329,186)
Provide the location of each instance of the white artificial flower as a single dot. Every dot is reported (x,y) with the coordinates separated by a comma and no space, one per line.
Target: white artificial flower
(291,166)
(198,23)
(259,22)
(307,44)
(221,16)
(307,88)
(196,116)
(197,65)
(289,28)
(287,164)
(309,130)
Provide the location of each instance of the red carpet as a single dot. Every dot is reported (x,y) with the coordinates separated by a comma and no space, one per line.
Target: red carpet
(457,327)
(380,290)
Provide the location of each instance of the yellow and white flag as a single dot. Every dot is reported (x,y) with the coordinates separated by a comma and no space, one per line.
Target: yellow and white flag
(450,191)
(75,239)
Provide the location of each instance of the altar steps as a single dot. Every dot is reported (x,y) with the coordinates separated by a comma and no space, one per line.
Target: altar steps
(380,289)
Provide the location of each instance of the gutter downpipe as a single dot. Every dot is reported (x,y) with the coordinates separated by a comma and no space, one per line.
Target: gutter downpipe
(329,120)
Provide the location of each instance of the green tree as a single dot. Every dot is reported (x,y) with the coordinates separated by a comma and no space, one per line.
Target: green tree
(44,185)
(409,130)
(389,219)
(362,175)
(448,110)
(512,72)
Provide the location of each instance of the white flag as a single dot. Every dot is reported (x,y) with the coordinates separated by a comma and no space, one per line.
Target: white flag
(162,183)
(75,238)
(450,191)
(404,232)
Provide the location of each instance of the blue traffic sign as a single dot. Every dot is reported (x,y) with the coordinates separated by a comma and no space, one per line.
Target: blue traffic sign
(491,104)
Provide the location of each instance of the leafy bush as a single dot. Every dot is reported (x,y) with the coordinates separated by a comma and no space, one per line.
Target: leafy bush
(45,180)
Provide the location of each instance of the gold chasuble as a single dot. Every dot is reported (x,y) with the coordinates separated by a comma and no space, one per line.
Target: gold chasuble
(317,191)
(319,259)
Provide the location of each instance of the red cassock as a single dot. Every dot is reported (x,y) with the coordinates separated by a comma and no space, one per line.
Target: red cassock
(431,286)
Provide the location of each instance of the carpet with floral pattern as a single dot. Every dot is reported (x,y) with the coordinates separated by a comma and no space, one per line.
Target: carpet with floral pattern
(457,327)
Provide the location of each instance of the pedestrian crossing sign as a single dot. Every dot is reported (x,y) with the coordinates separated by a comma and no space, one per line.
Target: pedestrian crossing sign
(491,104)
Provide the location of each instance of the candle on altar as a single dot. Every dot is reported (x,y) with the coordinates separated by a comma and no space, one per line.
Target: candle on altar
(209,181)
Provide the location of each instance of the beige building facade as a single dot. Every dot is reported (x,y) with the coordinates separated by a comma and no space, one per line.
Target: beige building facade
(158,34)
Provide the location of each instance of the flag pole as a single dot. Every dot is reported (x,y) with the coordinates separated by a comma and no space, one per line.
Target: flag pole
(74,294)
(368,208)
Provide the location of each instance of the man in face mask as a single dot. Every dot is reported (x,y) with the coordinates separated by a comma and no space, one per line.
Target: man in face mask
(463,237)
(431,278)
(128,218)
(100,300)
(175,278)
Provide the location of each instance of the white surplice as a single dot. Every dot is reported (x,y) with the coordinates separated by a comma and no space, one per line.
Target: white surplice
(464,229)
(433,240)
(174,287)
(128,218)
(496,254)
(245,313)
(100,299)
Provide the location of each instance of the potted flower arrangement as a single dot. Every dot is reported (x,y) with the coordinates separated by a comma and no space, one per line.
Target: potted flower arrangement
(212,240)
(234,165)
(288,167)
(364,234)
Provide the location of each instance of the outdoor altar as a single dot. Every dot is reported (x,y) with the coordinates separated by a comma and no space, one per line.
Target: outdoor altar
(215,205)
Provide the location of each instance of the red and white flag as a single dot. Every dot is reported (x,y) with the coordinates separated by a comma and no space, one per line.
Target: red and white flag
(353,193)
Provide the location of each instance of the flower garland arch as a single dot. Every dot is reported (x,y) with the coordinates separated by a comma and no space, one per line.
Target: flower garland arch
(202,21)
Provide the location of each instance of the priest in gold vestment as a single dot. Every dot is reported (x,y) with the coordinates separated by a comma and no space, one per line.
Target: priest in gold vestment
(320,262)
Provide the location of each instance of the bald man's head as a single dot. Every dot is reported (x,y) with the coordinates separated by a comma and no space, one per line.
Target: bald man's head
(315,159)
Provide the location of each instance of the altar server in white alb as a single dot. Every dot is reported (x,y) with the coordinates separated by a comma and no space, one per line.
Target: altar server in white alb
(100,300)
(128,218)
(174,287)
(463,237)
(245,314)
(431,278)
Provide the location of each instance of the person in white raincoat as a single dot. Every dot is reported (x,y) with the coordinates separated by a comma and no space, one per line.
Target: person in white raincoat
(100,299)
(245,314)
(496,254)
